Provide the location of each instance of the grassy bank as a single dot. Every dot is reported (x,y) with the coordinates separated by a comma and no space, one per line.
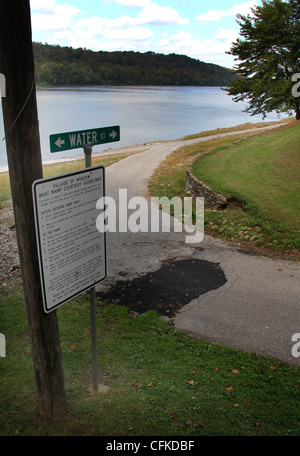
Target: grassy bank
(260,172)
(162,383)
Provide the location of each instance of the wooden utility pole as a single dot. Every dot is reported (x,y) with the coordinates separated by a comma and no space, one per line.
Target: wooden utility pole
(25,166)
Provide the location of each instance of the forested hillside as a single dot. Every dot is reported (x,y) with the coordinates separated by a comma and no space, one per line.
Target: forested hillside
(56,65)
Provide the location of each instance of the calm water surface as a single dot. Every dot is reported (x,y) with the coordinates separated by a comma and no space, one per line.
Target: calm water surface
(145,114)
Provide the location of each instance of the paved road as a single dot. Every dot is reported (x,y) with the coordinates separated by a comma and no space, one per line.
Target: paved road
(258,309)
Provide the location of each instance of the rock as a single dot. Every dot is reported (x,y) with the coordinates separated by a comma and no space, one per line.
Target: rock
(196,188)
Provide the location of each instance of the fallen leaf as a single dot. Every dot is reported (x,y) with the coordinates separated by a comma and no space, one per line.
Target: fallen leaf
(74,346)
(150,384)
(191,382)
(235,371)
(236,405)
(197,424)
(229,389)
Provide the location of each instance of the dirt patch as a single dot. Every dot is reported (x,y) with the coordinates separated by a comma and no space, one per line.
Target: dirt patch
(167,290)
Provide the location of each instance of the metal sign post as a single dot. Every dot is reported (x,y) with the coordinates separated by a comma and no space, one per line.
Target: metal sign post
(88,164)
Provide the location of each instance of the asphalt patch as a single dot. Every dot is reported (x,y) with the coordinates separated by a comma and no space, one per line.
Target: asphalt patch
(167,290)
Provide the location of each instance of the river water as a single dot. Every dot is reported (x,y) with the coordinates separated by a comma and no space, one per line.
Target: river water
(144,114)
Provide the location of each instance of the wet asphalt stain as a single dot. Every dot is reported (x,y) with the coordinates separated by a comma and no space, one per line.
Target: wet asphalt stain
(167,290)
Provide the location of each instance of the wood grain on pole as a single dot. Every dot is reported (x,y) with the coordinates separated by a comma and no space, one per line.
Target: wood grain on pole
(25,166)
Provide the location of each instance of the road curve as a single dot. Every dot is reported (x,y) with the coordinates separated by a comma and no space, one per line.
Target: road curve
(256,310)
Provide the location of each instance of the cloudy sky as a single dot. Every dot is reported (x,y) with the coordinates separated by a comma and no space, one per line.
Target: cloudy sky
(202,29)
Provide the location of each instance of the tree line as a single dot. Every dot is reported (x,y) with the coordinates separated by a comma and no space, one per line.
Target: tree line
(56,65)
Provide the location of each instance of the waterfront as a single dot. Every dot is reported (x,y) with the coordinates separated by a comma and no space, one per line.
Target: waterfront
(144,114)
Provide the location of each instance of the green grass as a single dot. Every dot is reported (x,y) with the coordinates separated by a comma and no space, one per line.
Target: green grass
(162,382)
(237,128)
(261,171)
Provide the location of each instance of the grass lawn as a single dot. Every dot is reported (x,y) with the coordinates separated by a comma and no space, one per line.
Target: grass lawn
(162,382)
(261,171)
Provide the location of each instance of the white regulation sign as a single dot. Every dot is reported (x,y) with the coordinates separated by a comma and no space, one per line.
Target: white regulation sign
(72,252)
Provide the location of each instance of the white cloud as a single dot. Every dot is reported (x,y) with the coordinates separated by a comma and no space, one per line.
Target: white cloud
(226,36)
(216,15)
(122,28)
(45,6)
(98,33)
(151,14)
(184,43)
(131,33)
(94,22)
(50,6)
(157,15)
(131,39)
(51,17)
(125,27)
(50,22)
(132,3)
(47,15)
(206,50)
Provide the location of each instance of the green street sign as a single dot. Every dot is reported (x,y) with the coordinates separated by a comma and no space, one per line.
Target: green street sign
(80,139)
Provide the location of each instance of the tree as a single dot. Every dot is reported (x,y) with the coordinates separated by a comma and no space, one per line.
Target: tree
(268,53)
(55,65)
